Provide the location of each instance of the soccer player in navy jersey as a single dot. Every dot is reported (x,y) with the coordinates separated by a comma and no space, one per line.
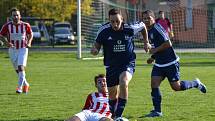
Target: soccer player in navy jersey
(166,64)
(96,107)
(116,38)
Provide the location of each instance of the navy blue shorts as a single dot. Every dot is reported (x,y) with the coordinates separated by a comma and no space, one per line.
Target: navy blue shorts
(113,73)
(172,72)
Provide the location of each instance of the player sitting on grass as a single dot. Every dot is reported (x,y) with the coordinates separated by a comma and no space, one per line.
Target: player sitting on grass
(96,106)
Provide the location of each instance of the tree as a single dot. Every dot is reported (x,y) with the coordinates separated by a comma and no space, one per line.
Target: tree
(86,8)
(60,10)
(5,6)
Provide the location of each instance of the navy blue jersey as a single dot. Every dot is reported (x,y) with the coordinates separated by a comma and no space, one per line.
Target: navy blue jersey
(158,36)
(118,46)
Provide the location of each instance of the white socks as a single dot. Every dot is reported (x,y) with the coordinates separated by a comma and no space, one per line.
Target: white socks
(22,80)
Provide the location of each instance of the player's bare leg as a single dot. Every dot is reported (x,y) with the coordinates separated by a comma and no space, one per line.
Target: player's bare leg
(124,80)
(113,92)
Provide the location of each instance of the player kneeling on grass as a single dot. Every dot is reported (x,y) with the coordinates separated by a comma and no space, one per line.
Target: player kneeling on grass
(166,64)
(96,106)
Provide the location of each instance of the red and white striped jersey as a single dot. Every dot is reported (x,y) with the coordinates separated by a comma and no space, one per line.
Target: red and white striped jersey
(16,34)
(98,102)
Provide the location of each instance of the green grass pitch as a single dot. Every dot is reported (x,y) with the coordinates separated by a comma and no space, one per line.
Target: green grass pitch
(60,83)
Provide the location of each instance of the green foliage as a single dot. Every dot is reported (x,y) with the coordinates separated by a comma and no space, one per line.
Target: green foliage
(86,8)
(5,6)
(60,84)
(60,10)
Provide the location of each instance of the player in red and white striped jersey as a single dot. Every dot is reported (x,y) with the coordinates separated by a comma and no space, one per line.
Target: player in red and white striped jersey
(96,107)
(19,37)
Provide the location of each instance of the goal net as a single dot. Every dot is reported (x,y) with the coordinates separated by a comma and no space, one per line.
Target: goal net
(193,22)
(91,23)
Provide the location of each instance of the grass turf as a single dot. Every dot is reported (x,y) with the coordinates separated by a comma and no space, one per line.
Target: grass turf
(60,83)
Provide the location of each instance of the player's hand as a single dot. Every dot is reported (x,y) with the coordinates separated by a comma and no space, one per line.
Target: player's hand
(147,47)
(171,34)
(9,44)
(1,43)
(94,51)
(150,60)
(152,51)
(28,45)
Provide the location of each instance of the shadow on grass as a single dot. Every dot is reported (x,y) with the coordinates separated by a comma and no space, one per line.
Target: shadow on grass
(145,117)
(140,117)
(197,64)
(9,93)
(128,117)
(188,64)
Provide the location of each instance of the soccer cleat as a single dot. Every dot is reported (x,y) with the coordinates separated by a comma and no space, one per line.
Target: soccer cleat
(26,89)
(18,90)
(201,86)
(154,113)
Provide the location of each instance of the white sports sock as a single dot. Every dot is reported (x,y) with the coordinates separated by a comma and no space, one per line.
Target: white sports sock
(22,80)
(25,83)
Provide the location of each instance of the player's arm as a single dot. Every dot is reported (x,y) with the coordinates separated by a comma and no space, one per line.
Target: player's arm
(4,40)
(141,27)
(169,24)
(88,102)
(165,45)
(29,35)
(171,34)
(95,49)
(30,38)
(144,32)
(3,33)
(98,40)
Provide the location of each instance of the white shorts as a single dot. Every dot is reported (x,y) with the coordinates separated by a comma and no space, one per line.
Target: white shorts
(18,56)
(87,115)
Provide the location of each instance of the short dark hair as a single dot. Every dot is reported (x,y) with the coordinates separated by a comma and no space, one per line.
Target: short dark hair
(161,12)
(14,9)
(150,12)
(98,76)
(114,11)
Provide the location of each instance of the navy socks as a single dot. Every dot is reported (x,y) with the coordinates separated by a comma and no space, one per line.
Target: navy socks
(156,99)
(120,107)
(188,84)
(112,105)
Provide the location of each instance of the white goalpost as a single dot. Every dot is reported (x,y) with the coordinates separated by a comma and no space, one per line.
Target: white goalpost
(79,29)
